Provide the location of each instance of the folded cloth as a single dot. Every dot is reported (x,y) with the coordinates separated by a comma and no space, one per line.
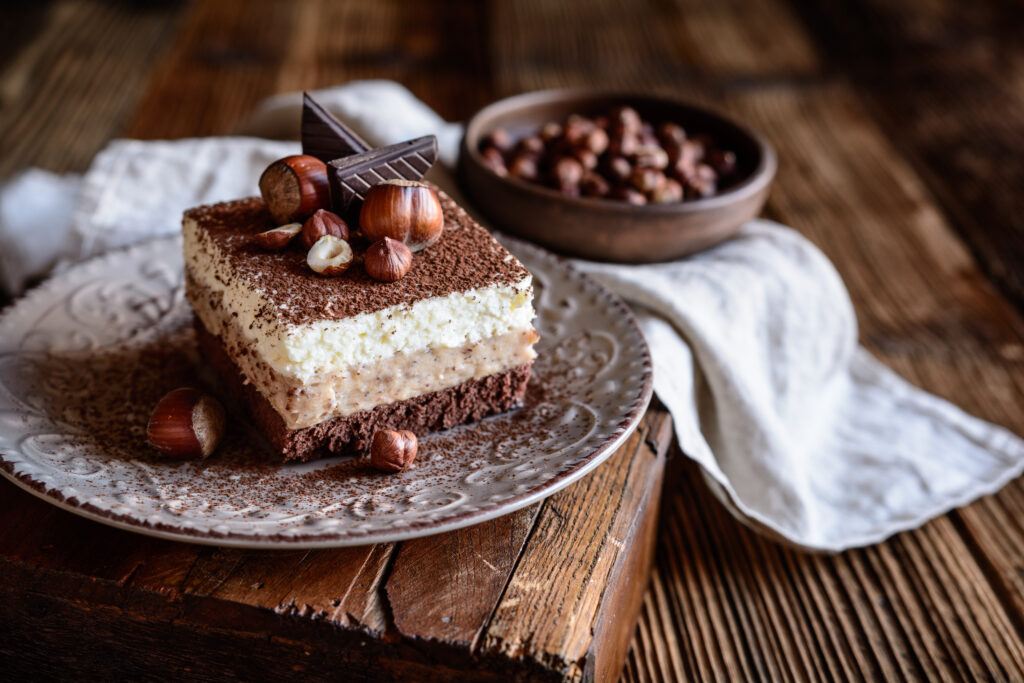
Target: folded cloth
(800,432)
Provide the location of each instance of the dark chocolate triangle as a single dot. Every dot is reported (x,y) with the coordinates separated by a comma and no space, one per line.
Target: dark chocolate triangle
(351,177)
(324,136)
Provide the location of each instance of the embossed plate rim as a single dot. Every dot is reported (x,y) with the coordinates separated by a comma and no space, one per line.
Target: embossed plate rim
(551,485)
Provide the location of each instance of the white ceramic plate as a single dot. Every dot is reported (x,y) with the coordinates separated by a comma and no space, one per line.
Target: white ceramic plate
(84,358)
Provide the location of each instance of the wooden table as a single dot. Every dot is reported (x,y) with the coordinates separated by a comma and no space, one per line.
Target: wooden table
(899,128)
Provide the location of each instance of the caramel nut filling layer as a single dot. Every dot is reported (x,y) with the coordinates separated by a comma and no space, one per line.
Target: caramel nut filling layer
(304,403)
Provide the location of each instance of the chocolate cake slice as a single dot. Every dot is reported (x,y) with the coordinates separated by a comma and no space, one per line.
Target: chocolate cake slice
(322,363)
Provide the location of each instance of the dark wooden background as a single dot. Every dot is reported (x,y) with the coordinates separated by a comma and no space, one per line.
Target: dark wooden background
(900,131)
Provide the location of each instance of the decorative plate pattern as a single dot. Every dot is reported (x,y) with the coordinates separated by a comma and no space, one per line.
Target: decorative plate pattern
(84,358)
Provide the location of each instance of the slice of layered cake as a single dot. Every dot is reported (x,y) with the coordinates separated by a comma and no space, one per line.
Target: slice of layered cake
(352,299)
(324,362)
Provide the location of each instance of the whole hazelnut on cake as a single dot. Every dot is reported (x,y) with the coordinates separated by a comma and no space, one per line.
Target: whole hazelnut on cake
(404,210)
(294,187)
(387,260)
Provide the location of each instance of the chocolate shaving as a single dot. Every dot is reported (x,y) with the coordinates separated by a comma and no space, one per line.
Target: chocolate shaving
(351,177)
(324,136)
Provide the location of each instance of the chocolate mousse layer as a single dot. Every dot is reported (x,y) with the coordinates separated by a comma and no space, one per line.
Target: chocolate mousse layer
(469,401)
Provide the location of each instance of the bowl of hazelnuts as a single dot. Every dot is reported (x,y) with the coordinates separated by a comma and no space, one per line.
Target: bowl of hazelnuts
(614,177)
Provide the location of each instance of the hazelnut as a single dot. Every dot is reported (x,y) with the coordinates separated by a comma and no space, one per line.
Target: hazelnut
(651,157)
(624,145)
(697,147)
(629,195)
(186,424)
(549,131)
(723,161)
(567,172)
(392,451)
(593,185)
(684,159)
(596,141)
(586,158)
(531,145)
(404,210)
(387,260)
(524,167)
(671,134)
(494,159)
(329,256)
(646,179)
(702,182)
(498,138)
(278,238)
(648,139)
(626,120)
(618,168)
(577,128)
(294,187)
(321,223)
(668,192)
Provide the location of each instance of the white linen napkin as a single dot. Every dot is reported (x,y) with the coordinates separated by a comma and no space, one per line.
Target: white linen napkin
(799,431)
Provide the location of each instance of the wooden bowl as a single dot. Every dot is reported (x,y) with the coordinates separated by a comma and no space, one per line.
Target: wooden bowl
(605,229)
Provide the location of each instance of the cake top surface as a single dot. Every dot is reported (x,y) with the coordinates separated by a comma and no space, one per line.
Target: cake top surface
(466,257)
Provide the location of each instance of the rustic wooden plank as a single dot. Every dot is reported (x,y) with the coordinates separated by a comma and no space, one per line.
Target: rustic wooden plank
(903,609)
(445,587)
(227,57)
(550,610)
(95,630)
(637,533)
(58,108)
(436,48)
(678,47)
(940,77)
(340,585)
(223,61)
(948,107)
(41,536)
(241,593)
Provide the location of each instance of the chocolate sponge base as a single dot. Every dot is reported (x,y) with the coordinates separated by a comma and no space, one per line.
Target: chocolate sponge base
(423,414)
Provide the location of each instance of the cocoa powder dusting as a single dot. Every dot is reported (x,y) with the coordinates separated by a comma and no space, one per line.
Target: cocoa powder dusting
(466,257)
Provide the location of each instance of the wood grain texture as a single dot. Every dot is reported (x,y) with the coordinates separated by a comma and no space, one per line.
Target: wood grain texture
(445,587)
(898,131)
(943,80)
(543,614)
(78,71)
(430,609)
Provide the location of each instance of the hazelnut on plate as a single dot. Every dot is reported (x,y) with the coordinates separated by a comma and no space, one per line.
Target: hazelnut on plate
(186,424)
(393,451)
